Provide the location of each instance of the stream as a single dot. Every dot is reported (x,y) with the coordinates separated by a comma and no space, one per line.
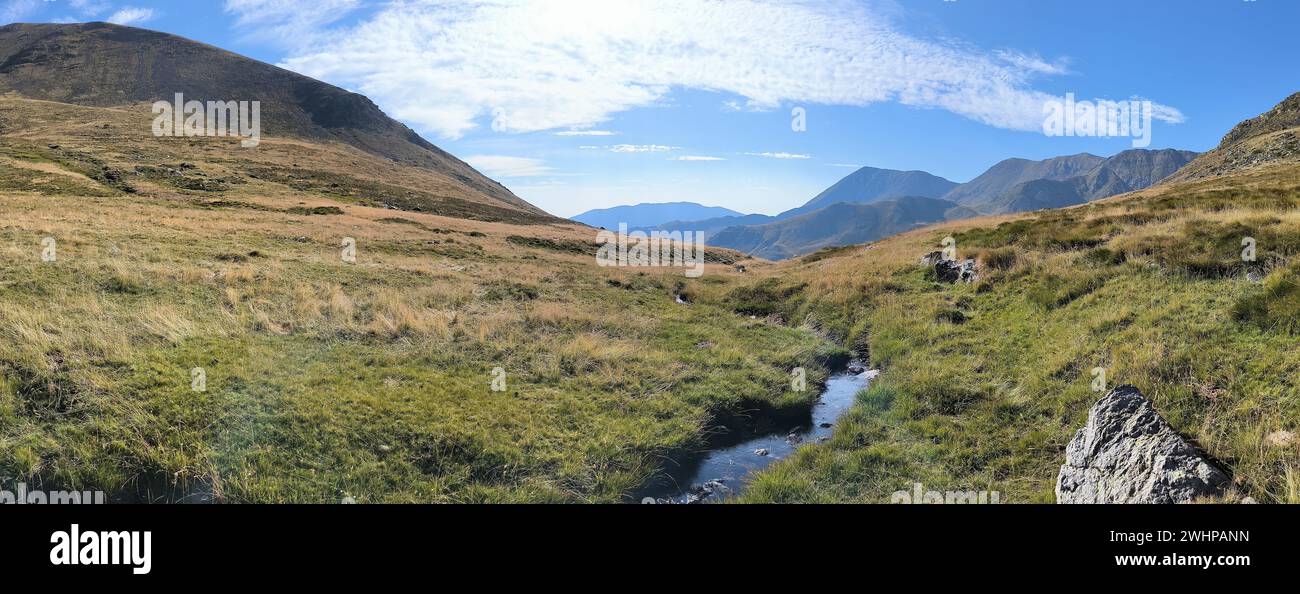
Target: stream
(723,472)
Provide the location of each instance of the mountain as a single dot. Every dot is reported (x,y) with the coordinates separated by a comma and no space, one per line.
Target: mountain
(870,184)
(838,224)
(1010,173)
(651,214)
(1272,138)
(1125,172)
(104,65)
(711,226)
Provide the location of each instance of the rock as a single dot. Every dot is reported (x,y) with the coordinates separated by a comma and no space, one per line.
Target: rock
(793,439)
(950,271)
(1127,453)
(1254,277)
(761,452)
(1280,439)
(827,425)
(856,368)
(699,493)
(1249,501)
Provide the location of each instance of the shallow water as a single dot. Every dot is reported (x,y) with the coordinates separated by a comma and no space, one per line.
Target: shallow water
(723,473)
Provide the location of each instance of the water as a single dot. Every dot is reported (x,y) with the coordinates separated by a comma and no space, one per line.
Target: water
(723,473)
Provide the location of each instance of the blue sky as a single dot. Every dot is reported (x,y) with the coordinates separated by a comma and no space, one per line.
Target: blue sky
(578,105)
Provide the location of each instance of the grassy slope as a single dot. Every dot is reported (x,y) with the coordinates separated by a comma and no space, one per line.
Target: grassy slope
(327,379)
(985,384)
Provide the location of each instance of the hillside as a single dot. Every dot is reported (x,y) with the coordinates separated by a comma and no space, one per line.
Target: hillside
(1272,139)
(835,225)
(104,65)
(984,384)
(650,215)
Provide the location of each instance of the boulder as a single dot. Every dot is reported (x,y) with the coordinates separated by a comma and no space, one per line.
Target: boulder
(950,271)
(1127,453)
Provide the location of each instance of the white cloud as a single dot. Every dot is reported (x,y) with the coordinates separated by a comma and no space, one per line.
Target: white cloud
(90,8)
(530,65)
(696,158)
(16,10)
(289,23)
(131,15)
(503,166)
(780,155)
(586,133)
(641,148)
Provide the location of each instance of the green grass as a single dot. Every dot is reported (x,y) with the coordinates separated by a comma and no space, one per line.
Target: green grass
(991,402)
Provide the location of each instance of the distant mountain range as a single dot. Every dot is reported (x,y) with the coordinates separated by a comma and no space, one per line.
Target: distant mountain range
(1066,181)
(841,223)
(885,202)
(651,214)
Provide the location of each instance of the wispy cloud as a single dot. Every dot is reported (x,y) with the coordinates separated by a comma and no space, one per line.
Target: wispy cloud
(90,8)
(131,15)
(290,23)
(696,158)
(530,65)
(16,10)
(632,148)
(504,166)
(586,133)
(780,155)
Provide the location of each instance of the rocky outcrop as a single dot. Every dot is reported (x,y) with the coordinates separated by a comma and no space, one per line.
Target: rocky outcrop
(1127,453)
(950,271)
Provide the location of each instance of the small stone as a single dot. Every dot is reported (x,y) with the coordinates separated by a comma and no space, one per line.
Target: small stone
(761,452)
(1280,439)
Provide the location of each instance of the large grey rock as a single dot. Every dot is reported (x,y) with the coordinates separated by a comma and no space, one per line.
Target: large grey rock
(950,271)
(1127,453)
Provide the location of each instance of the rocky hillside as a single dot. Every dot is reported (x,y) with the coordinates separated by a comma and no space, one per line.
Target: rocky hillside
(1273,138)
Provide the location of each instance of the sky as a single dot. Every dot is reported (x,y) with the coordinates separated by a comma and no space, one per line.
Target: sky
(576,105)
